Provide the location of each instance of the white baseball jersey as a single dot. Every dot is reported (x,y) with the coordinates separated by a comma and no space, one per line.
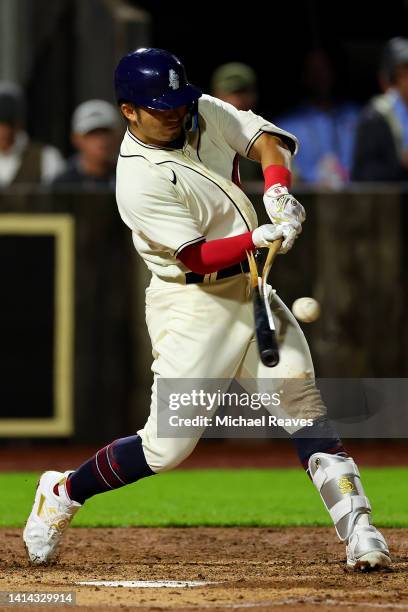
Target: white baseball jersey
(172,198)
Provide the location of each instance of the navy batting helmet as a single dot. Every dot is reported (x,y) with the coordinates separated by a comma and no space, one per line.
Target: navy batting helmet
(153,78)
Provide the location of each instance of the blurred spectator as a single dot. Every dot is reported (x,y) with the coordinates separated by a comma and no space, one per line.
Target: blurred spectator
(236,83)
(381,148)
(324,125)
(95,137)
(21,160)
(388,62)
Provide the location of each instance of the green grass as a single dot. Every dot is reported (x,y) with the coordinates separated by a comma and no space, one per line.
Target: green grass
(276,498)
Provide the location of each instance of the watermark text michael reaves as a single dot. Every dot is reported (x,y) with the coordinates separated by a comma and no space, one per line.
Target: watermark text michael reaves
(209,401)
(238,421)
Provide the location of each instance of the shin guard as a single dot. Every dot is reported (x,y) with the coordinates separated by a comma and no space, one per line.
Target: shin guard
(338,481)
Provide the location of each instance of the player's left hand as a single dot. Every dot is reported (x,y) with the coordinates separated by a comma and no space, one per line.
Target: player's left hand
(284,211)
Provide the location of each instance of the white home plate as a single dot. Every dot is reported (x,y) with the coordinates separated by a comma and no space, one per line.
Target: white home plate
(145,584)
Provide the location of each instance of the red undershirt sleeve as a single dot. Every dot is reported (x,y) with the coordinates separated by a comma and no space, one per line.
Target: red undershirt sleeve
(208,257)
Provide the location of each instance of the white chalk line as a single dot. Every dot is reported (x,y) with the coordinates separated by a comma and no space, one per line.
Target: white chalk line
(146,584)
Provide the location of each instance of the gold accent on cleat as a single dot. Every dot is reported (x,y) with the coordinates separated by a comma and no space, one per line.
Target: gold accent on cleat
(40,505)
(60,526)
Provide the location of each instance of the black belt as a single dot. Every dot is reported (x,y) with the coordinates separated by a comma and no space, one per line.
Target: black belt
(192,277)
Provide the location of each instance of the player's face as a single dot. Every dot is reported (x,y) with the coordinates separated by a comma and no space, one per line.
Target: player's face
(154,126)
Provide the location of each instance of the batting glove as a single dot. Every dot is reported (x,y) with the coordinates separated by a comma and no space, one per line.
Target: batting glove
(285,212)
(265,234)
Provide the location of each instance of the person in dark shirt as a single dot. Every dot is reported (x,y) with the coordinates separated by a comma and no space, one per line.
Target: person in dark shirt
(22,160)
(95,136)
(381,145)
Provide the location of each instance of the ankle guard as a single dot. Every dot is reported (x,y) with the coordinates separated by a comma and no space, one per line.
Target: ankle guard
(338,481)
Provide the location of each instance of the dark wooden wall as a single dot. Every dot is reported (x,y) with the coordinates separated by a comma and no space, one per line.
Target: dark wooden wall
(350,256)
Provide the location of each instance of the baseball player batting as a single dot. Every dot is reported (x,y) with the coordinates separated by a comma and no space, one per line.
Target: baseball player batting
(178,192)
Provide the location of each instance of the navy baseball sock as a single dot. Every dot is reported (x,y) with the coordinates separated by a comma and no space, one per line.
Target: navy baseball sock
(116,465)
(321,437)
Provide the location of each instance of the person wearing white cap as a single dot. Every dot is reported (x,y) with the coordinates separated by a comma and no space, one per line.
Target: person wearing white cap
(22,160)
(95,137)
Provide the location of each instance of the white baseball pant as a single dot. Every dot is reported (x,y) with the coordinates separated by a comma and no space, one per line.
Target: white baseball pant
(207,332)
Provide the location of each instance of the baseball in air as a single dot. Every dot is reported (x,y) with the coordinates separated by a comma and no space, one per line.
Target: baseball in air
(306,309)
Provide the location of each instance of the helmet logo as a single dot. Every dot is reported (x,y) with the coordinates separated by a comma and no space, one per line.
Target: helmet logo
(174,80)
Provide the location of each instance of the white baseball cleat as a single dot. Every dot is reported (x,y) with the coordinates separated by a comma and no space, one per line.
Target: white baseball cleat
(50,516)
(367,549)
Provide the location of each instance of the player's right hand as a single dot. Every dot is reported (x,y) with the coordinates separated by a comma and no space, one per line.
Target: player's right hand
(265,234)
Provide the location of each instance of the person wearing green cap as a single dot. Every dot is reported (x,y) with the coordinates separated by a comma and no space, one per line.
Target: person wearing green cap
(236,83)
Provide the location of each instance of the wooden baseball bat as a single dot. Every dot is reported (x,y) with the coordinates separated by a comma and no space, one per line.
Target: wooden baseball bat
(264,325)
